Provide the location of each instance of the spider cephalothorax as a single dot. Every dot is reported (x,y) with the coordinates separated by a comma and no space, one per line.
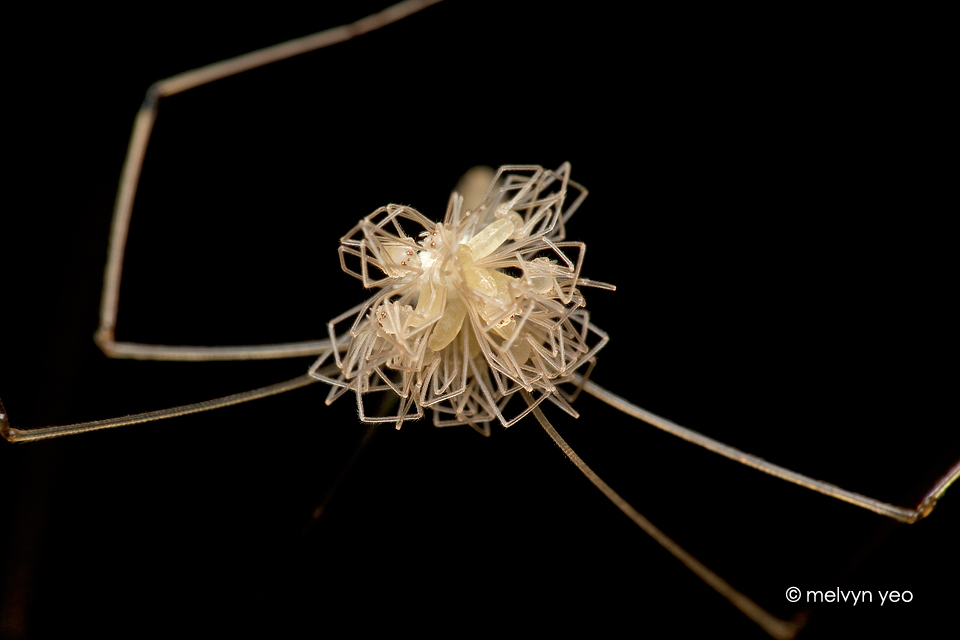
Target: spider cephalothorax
(492,279)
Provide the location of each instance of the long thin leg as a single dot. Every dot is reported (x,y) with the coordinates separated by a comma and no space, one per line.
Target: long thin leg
(771,624)
(891,511)
(130,177)
(187,353)
(44,433)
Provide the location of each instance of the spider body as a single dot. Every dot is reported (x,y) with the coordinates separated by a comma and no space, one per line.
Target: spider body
(741,283)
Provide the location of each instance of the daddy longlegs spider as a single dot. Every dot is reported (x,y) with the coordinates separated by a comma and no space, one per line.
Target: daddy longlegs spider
(756,318)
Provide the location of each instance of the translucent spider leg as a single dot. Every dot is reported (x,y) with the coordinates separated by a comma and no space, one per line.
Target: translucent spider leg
(775,627)
(900,514)
(45,433)
(130,178)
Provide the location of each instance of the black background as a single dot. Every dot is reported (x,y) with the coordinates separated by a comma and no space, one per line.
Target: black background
(766,193)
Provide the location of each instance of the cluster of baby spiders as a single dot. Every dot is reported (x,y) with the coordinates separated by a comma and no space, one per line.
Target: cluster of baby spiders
(493,278)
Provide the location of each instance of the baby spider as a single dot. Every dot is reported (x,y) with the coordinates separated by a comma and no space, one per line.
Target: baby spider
(753,303)
(478,335)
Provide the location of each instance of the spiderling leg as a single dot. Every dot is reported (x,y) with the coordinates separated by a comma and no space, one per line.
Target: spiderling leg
(771,624)
(891,511)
